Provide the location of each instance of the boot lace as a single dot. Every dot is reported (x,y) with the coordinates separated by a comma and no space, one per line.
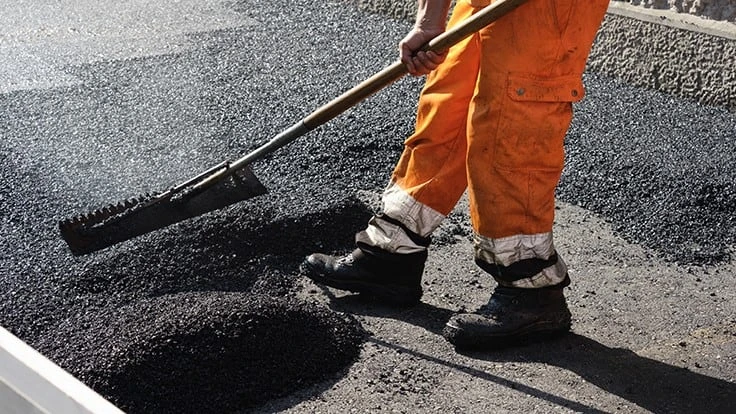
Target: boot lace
(346,260)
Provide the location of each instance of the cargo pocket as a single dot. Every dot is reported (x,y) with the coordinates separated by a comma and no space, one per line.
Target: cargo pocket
(536,114)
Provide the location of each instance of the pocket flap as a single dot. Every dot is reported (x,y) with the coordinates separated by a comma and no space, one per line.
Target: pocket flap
(544,89)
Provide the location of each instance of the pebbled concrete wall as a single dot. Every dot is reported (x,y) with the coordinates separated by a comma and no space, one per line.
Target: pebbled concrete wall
(677,53)
(398,9)
(711,9)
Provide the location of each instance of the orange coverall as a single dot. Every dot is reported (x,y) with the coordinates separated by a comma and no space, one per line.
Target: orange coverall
(492,118)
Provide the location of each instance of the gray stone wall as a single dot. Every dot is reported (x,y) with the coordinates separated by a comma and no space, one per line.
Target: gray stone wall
(687,59)
(680,62)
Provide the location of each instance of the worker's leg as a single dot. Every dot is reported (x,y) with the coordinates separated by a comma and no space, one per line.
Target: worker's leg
(430,176)
(427,182)
(531,72)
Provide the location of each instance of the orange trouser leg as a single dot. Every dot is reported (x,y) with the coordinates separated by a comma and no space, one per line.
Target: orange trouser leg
(430,176)
(432,166)
(530,73)
(493,118)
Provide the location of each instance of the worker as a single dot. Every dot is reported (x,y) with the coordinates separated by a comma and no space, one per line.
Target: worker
(492,118)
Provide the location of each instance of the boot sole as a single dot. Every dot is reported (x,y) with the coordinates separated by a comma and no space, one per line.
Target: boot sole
(391,294)
(462,339)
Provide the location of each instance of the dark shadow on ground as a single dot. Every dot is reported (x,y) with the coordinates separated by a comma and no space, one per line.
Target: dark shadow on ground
(426,316)
(497,379)
(656,386)
(653,385)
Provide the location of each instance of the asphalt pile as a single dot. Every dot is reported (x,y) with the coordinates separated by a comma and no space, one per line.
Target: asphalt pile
(202,316)
(206,351)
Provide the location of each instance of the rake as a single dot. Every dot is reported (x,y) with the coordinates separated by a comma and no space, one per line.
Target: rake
(232,181)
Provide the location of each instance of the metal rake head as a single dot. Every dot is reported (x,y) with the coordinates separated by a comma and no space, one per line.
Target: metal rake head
(115,223)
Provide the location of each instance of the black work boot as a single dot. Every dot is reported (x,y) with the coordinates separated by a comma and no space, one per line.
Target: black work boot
(388,277)
(512,316)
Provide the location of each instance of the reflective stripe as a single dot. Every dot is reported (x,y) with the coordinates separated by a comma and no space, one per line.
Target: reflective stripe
(505,252)
(389,237)
(415,216)
(548,277)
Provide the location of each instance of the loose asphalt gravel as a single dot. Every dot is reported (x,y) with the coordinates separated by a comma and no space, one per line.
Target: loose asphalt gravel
(206,308)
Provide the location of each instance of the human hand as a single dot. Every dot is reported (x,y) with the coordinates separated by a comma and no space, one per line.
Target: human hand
(419,62)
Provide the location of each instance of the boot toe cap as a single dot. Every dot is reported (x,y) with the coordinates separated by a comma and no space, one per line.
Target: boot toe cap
(315,265)
(317,260)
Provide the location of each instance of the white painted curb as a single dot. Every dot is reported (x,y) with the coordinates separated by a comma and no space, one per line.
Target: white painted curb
(31,383)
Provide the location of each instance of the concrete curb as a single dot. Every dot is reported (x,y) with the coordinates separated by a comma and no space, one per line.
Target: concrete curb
(675,20)
(31,383)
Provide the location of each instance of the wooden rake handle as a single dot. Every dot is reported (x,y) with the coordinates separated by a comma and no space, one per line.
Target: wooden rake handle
(380,80)
(397,70)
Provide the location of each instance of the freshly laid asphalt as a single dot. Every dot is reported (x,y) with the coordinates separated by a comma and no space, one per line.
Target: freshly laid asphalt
(98,105)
